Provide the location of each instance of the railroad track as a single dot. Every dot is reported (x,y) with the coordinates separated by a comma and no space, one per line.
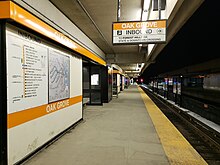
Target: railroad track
(203,138)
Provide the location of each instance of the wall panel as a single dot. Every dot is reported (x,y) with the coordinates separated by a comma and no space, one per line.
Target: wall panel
(44,91)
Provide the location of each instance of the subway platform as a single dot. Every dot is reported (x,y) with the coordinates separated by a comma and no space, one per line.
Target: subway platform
(130,130)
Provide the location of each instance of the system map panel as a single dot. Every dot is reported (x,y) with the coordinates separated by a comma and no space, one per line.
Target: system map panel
(59,76)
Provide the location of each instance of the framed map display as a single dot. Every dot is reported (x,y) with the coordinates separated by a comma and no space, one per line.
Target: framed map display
(59,76)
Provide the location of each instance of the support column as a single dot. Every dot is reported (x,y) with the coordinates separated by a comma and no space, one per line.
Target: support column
(3,95)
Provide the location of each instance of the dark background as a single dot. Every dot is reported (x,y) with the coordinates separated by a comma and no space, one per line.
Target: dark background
(196,42)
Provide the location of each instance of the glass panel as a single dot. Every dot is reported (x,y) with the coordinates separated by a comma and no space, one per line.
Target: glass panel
(86,77)
(155,5)
(96,97)
(95,77)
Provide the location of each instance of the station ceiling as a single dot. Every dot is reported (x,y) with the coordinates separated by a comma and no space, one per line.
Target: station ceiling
(95,19)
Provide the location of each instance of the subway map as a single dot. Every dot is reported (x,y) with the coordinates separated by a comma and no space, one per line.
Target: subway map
(59,76)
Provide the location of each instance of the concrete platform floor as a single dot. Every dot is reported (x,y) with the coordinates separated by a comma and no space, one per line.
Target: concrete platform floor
(117,133)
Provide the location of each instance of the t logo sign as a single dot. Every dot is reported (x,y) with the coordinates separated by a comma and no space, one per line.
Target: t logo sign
(119,32)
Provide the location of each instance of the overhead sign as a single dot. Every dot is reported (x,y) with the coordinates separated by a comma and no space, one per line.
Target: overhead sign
(153,31)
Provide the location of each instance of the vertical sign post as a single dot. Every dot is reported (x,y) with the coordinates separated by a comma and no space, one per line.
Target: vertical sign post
(3,96)
(159,8)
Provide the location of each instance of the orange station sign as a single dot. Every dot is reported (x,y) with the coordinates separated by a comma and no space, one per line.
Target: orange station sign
(153,31)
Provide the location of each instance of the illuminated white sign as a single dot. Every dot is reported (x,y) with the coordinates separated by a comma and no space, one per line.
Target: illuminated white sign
(139,32)
(95,79)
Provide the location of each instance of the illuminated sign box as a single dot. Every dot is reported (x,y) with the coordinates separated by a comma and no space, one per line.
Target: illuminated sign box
(153,31)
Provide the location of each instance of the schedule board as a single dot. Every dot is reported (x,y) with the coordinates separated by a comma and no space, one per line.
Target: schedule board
(27,70)
(139,32)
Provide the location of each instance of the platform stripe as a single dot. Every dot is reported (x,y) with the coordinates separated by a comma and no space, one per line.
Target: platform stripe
(20,117)
(176,147)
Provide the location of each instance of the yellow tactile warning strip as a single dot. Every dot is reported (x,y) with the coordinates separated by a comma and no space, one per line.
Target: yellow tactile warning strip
(178,150)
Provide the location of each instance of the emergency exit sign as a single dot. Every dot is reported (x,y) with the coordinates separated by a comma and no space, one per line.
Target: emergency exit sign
(153,31)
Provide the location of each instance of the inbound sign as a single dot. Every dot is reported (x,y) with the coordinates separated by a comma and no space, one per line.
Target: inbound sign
(153,31)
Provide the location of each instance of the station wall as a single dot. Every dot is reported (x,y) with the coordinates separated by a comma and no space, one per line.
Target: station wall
(44,91)
(46,11)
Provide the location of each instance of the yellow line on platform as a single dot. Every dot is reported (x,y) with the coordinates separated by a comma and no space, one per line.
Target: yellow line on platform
(177,148)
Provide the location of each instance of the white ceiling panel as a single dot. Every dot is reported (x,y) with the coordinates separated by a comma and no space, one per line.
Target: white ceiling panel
(131,10)
(95,19)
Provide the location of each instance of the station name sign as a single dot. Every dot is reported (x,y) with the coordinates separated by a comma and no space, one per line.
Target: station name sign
(153,31)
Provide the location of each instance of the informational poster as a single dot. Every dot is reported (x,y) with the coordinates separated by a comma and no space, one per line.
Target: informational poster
(27,70)
(95,79)
(59,75)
